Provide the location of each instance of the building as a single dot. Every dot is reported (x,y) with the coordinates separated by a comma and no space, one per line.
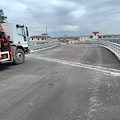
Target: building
(108,36)
(73,41)
(39,38)
(95,35)
(85,38)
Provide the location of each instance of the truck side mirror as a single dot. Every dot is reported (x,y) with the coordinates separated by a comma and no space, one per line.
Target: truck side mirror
(27,31)
(8,37)
(17,26)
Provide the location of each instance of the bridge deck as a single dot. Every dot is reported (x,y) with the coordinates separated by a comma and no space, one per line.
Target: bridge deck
(74,82)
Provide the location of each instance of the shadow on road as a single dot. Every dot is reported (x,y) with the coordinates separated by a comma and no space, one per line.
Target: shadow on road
(4,66)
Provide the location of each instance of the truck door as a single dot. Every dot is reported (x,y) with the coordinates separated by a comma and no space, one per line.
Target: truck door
(21,36)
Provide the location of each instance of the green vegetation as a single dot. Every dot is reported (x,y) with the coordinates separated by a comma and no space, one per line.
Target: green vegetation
(2,17)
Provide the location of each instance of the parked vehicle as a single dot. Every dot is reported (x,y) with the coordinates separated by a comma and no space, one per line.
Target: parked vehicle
(13,42)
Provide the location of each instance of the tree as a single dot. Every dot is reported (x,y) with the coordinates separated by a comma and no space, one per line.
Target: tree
(2,17)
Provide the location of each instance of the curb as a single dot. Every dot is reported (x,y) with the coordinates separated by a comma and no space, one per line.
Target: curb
(32,51)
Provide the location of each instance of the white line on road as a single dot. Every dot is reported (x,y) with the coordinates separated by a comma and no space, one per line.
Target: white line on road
(109,71)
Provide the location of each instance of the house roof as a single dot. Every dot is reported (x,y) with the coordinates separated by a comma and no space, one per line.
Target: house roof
(39,37)
(95,32)
(44,34)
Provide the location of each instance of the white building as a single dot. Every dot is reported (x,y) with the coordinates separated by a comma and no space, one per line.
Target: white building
(73,41)
(85,38)
(95,35)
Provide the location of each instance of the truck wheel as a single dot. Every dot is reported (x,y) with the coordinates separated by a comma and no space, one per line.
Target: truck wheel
(19,56)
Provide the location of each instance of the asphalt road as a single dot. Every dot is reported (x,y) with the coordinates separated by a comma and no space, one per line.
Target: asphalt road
(72,82)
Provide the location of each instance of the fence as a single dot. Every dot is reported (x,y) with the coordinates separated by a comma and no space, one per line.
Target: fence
(35,45)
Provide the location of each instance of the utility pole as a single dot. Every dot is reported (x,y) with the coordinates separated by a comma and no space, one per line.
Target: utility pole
(46,33)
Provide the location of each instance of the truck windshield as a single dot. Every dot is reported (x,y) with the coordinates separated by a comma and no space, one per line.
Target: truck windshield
(20,30)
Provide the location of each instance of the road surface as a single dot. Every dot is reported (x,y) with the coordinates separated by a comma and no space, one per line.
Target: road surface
(72,82)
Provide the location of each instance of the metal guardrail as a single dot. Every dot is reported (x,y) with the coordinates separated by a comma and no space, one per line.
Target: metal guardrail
(111,39)
(113,44)
(35,45)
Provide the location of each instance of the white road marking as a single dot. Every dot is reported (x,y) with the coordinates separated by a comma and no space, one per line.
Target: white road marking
(108,71)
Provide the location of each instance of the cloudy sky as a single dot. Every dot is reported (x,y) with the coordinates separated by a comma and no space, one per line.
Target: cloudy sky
(71,17)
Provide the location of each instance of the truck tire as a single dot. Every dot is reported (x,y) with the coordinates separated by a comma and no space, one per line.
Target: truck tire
(19,56)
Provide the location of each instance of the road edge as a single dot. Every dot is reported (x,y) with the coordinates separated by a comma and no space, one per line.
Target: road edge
(114,52)
(32,51)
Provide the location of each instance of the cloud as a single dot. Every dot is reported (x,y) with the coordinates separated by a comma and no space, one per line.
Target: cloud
(71,28)
(64,15)
(18,6)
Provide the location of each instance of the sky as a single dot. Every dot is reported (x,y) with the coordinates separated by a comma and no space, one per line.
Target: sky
(64,17)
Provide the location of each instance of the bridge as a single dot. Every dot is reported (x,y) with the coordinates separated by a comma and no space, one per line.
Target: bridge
(70,82)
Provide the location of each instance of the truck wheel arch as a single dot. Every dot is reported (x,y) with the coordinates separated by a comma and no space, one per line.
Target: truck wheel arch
(16,47)
(21,50)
